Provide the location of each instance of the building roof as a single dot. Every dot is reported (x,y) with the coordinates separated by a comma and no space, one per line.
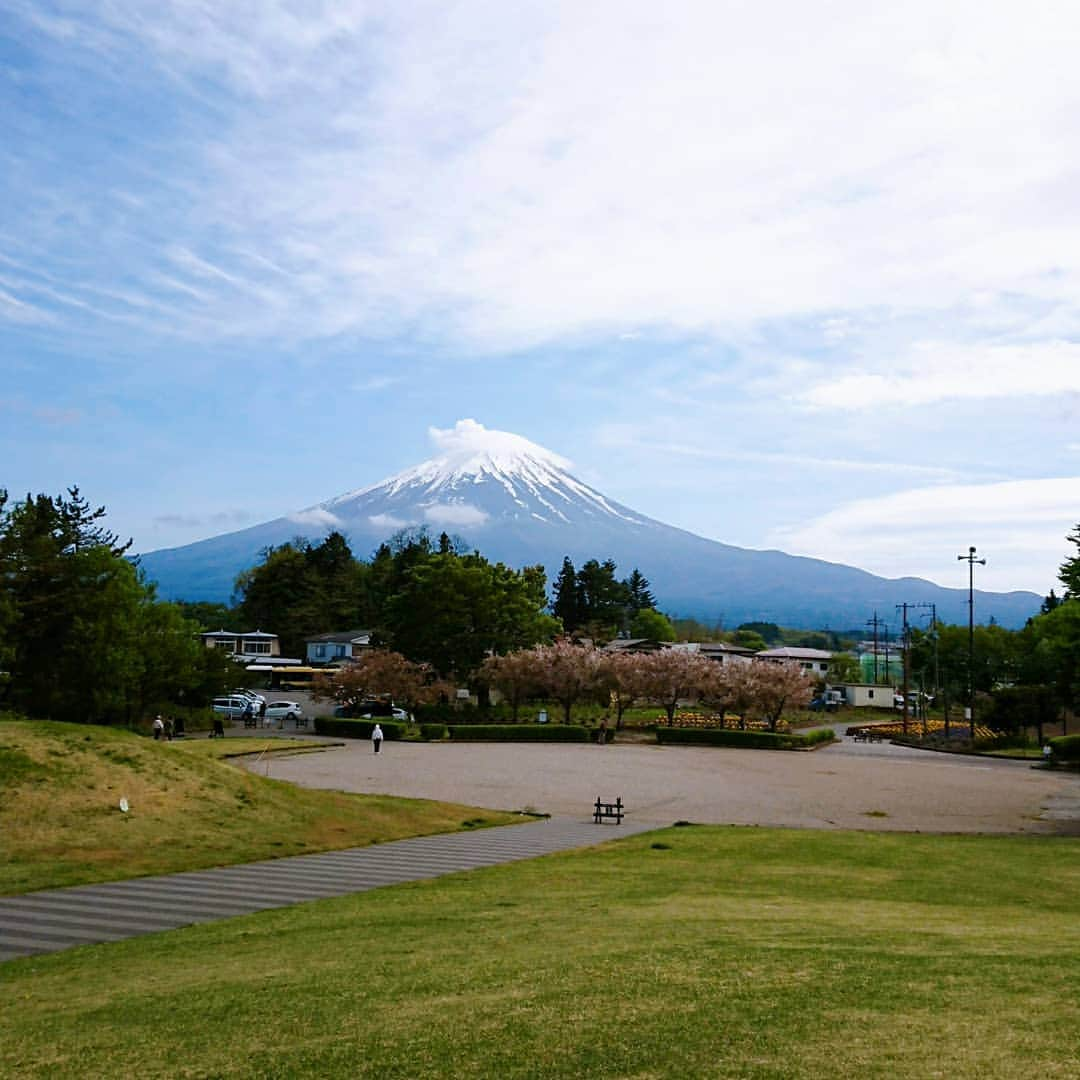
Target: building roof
(234,634)
(637,644)
(342,637)
(791,652)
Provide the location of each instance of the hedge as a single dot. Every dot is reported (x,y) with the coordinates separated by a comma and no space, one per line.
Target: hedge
(1066,747)
(518,733)
(757,740)
(344,728)
(432,732)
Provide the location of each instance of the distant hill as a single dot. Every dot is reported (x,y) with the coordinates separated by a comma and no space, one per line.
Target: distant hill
(518,503)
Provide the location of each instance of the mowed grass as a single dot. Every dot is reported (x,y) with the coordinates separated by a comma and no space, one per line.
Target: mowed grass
(716,952)
(60,821)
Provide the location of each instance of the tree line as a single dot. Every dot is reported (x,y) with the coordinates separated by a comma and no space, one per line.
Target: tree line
(82,635)
(569,673)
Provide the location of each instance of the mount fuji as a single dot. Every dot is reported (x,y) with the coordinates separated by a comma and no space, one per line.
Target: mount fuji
(518,503)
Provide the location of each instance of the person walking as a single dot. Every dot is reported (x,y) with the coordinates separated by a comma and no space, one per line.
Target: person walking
(376,738)
(601,736)
(159,726)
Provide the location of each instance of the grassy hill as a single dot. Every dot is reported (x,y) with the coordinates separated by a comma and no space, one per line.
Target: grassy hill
(60,821)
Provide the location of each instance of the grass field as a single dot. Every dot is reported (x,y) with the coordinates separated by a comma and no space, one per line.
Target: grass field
(60,822)
(691,952)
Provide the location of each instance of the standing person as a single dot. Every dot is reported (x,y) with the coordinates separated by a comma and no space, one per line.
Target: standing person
(262,714)
(376,738)
(601,736)
(159,726)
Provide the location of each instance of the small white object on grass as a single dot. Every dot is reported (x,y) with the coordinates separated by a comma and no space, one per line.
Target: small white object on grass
(124,805)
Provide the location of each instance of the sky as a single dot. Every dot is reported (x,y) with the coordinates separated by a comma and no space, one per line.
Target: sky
(785,275)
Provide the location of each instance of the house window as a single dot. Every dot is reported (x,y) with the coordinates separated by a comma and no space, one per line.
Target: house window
(869,693)
(230,645)
(320,651)
(261,647)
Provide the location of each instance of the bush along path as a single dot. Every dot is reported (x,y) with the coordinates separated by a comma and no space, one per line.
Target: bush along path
(63,918)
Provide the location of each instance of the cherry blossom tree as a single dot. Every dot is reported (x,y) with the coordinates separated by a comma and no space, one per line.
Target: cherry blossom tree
(777,686)
(569,673)
(517,676)
(670,675)
(381,673)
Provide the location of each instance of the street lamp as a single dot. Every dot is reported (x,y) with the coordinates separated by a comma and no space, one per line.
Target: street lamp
(970,559)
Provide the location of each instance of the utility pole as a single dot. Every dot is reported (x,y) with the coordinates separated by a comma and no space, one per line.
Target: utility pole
(906,645)
(875,622)
(970,559)
(933,630)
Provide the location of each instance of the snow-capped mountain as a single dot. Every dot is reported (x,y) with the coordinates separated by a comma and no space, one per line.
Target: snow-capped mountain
(519,503)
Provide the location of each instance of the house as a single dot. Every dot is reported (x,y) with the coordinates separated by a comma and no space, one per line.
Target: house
(255,643)
(815,662)
(724,653)
(634,645)
(867,695)
(343,645)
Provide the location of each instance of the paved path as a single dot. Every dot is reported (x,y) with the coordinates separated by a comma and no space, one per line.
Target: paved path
(61,918)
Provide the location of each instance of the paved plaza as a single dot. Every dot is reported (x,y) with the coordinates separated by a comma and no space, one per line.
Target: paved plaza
(849,785)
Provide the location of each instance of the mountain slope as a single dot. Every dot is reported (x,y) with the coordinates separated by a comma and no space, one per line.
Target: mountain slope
(518,503)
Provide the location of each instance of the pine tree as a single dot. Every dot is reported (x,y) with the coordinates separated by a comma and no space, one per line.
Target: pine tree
(637,585)
(1069,572)
(567,605)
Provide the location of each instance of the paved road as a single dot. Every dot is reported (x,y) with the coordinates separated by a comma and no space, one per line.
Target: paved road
(62,918)
(850,785)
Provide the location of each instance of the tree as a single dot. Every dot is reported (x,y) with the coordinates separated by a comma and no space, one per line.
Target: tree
(669,676)
(639,596)
(620,675)
(83,635)
(517,676)
(749,639)
(649,623)
(768,631)
(569,673)
(381,673)
(844,668)
(451,611)
(777,686)
(604,599)
(1069,571)
(567,605)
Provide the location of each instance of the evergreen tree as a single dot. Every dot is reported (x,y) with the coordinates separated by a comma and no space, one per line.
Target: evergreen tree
(639,594)
(567,605)
(1069,571)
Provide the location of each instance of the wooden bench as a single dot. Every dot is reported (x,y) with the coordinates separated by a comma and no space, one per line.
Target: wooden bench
(603,810)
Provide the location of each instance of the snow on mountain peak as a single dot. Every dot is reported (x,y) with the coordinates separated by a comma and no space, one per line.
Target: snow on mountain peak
(471,454)
(469,448)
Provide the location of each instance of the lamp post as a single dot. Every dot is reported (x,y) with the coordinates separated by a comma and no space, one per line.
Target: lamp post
(970,559)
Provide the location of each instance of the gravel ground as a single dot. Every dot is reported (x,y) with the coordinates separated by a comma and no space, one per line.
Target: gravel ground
(848,785)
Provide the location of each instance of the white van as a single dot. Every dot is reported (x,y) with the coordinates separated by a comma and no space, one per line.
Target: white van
(232,707)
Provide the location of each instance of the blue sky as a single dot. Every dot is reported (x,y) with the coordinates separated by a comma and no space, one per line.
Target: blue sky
(786,277)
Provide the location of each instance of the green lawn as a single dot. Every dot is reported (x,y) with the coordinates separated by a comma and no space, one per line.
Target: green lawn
(60,822)
(690,952)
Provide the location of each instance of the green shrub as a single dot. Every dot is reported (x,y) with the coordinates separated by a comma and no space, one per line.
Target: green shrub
(756,740)
(1066,748)
(518,733)
(344,728)
(432,732)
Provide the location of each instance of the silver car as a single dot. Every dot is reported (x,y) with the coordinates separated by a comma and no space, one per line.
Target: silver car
(284,711)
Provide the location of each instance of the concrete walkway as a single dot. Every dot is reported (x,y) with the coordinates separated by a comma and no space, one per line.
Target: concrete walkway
(57,919)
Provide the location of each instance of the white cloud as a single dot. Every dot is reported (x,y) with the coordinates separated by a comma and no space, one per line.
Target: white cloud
(316,516)
(1019,525)
(455,514)
(387,521)
(936,371)
(512,174)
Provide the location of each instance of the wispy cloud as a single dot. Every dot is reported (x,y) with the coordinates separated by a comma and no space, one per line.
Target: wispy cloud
(1020,525)
(936,371)
(316,516)
(455,514)
(470,175)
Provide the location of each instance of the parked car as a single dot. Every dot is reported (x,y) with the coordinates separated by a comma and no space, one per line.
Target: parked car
(232,706)
(284,711)
(394,714)
(256,699)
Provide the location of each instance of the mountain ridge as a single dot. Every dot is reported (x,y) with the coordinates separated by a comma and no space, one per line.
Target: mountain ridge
(518,503)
